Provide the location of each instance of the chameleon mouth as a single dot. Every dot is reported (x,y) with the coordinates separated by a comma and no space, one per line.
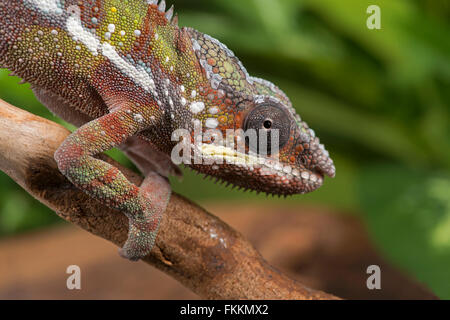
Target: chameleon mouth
(257,173)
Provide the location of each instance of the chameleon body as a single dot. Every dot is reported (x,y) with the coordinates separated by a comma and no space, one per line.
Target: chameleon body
(128,76)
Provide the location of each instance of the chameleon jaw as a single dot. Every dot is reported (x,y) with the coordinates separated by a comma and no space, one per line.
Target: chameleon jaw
(255,172)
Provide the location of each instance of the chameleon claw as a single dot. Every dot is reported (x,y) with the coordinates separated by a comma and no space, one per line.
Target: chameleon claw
(144,226)
(126,255)
(141,239)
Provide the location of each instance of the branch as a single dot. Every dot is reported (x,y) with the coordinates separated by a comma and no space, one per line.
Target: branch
(193,246)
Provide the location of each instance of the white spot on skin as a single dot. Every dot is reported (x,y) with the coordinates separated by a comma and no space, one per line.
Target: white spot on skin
(193,93)
(195,45)
(47,6)
(197,107)
(77,32)
(137,33)
(137,74)
(138,118)
(211,123)
(111,28)
(213,110)
(183,101)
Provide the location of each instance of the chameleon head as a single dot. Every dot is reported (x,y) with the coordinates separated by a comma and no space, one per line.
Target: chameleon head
(264,145)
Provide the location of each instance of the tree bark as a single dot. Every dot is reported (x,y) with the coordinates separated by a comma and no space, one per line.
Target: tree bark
(193,246)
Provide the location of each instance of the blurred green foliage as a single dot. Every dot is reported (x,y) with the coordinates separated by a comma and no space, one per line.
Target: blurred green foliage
(408,211)
(378,99)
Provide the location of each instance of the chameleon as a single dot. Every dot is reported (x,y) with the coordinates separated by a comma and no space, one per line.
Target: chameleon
(128,76)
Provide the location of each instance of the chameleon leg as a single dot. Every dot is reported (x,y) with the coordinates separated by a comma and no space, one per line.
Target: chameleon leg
(156,189)
(143,206)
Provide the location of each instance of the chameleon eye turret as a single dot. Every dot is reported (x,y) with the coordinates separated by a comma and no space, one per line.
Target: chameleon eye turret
(270,122)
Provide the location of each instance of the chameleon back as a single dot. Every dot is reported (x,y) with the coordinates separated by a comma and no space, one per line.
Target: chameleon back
(88,54)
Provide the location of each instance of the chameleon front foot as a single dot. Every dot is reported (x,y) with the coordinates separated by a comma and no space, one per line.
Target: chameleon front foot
(144,205)
(154,194)
(141,239)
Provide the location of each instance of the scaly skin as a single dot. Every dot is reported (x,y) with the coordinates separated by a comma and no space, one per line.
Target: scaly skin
(128,77)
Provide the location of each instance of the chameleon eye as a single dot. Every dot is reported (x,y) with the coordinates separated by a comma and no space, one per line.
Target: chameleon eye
(270,120)
(268,124)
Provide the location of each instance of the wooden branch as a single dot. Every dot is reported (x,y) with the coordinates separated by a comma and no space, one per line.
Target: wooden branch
(193,246)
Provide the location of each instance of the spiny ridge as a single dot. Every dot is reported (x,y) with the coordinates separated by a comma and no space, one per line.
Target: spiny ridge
(169,14)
